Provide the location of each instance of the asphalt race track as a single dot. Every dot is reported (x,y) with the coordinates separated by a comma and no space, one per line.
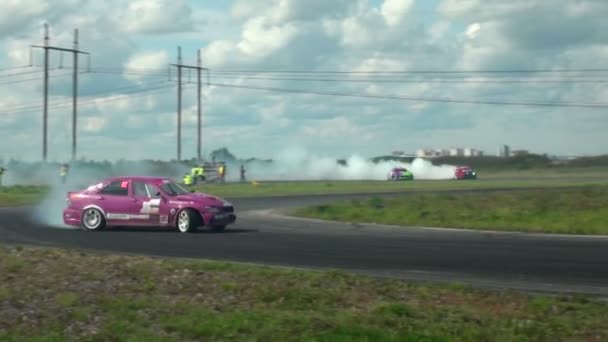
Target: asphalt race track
(523,261)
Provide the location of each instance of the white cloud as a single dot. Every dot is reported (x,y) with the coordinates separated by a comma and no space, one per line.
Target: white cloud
(142,64)
(155,16)
(472,30)
(14,14)
(395,10)
(261,39)
(93,125)
(342,35)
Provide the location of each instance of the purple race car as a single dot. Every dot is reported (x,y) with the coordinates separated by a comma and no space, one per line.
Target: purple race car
(145,201)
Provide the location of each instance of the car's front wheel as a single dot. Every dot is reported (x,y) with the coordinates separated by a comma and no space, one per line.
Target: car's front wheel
(187,221)
(92,220)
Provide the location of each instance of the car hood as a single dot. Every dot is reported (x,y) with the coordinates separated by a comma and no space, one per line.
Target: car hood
(200,198)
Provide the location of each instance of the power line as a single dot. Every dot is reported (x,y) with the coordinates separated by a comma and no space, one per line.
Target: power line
(110,92)
(488,71)
(438,71)
(371,79)
(400,72)
(15,67)
(410,81)
(113,97)
(20,73)
(34,79)
(420,99)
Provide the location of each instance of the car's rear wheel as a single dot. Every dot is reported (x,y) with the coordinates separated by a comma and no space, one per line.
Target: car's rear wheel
(187,221)
(92,220)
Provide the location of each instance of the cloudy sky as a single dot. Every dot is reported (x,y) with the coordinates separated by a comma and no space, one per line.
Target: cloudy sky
(397,57)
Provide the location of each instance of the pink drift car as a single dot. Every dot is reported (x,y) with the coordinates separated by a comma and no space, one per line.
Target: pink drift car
(145,201)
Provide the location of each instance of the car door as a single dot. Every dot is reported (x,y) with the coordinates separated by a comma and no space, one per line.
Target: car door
(146,208)
(115,201)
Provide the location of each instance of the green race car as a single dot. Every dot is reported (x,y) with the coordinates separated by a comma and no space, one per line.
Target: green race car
(400,174)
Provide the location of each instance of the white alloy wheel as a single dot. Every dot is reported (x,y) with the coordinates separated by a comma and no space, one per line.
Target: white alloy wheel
(186,221)
(92,219)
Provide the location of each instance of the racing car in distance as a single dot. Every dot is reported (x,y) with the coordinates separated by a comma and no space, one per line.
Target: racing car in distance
(464,172)
(145,201)
(400,173)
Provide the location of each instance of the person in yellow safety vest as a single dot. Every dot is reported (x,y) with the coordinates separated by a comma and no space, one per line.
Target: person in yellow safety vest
(197,171)
(63,172)
(193,172)
(222,171)
(200,173)
(188,179)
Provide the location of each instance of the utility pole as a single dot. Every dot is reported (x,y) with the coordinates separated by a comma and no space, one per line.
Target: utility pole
(179,103)
(74,94)
(198,98)
(75,51)
(198,68)
(45,113)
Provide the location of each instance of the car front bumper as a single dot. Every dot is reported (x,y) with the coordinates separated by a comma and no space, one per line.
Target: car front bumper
(217,219)
(222,219)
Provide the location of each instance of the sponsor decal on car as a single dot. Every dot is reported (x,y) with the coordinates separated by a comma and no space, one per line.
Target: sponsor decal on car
(151,206)
(114,216)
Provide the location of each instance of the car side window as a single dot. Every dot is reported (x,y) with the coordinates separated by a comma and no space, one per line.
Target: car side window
(153,191)
(140,189)
(117,188)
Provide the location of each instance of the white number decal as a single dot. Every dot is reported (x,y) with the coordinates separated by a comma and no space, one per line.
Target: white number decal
(151,206)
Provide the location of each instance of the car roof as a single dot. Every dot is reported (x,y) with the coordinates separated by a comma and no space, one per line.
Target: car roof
(151,179)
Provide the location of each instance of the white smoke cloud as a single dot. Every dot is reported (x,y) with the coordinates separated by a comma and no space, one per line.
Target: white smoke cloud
(298,164)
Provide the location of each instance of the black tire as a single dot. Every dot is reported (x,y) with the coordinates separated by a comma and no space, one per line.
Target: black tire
(92,220)
(220,228)
(187,221)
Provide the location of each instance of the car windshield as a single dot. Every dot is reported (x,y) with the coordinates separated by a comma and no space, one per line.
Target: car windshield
(173,189)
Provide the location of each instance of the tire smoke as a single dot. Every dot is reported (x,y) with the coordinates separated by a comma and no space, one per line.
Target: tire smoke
(297,164)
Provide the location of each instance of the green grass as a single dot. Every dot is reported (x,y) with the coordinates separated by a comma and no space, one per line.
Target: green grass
(21,194)
(17,195)
(590,172)
(345,187)
(59,294)
(580,210)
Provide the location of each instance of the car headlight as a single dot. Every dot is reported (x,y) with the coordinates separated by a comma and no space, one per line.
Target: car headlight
(213,210)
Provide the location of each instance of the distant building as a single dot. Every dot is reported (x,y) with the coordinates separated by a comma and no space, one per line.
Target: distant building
(402,154)
(456,152)
(519,152)
(423,153)
(504,151)
(471,152)
(451,152)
